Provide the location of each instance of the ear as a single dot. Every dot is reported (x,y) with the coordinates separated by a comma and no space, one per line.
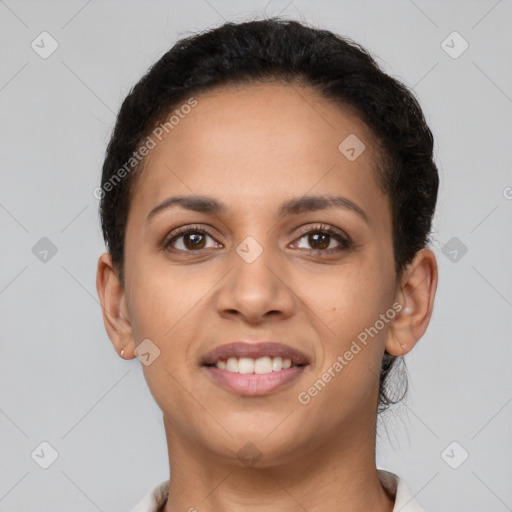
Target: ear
(416,295)
(114,308)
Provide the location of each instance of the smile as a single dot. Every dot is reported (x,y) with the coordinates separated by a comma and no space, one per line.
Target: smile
(260,366)
(253,384)
(254,368)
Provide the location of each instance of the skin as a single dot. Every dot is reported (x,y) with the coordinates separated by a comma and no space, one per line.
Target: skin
(254,147)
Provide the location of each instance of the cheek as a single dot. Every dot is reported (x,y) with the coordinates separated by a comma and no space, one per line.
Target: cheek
(163,300)
(352,299)
(164,309)
(353,330)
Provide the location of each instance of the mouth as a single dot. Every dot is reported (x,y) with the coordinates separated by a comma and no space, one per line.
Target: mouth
(254,369)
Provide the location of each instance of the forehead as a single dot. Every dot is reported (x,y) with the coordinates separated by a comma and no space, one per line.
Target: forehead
(250,144)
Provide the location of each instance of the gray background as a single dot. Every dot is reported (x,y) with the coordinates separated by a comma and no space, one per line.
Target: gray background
(60,379)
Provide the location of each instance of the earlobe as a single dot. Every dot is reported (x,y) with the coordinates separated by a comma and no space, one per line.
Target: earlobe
(114,308)
(416,296)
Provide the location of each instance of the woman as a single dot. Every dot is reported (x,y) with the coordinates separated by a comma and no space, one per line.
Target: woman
(266,201)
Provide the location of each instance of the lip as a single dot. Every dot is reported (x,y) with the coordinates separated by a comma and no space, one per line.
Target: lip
(255,350)
(253,384)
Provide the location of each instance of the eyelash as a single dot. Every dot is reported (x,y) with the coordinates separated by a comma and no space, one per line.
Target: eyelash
(345,241)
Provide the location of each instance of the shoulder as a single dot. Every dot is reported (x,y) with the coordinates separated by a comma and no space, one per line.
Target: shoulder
(154,499)
(397,487)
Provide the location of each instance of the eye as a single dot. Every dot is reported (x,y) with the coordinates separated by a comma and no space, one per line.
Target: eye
(321,237)
(193,239)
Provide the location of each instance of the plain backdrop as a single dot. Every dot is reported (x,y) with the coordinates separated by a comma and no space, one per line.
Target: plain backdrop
(62,383)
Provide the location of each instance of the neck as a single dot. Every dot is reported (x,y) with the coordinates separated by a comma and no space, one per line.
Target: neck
(336,476)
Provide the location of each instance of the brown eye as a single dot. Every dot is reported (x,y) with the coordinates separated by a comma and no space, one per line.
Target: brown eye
(194,240)
(324,239)
(319,240)
(188,239)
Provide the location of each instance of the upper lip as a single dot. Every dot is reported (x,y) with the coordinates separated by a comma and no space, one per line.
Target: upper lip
(255,350)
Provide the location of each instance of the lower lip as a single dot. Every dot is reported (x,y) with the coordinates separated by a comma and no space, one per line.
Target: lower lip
(254,385)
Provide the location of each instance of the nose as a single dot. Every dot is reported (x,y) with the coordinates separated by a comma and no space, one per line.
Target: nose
(256,288)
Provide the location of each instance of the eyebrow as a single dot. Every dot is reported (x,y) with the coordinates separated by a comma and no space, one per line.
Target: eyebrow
(205,204)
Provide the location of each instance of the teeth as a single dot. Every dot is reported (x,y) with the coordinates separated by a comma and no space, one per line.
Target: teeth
(258,366)
(277,364)
(263,365)
(232,364)
(245,365)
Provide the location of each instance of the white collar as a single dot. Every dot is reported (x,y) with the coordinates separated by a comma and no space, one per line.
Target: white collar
(404,501)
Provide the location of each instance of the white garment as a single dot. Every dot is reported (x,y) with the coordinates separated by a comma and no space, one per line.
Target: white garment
(404,502)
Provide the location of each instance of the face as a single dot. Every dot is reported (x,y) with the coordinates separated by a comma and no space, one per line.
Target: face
(265,265)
